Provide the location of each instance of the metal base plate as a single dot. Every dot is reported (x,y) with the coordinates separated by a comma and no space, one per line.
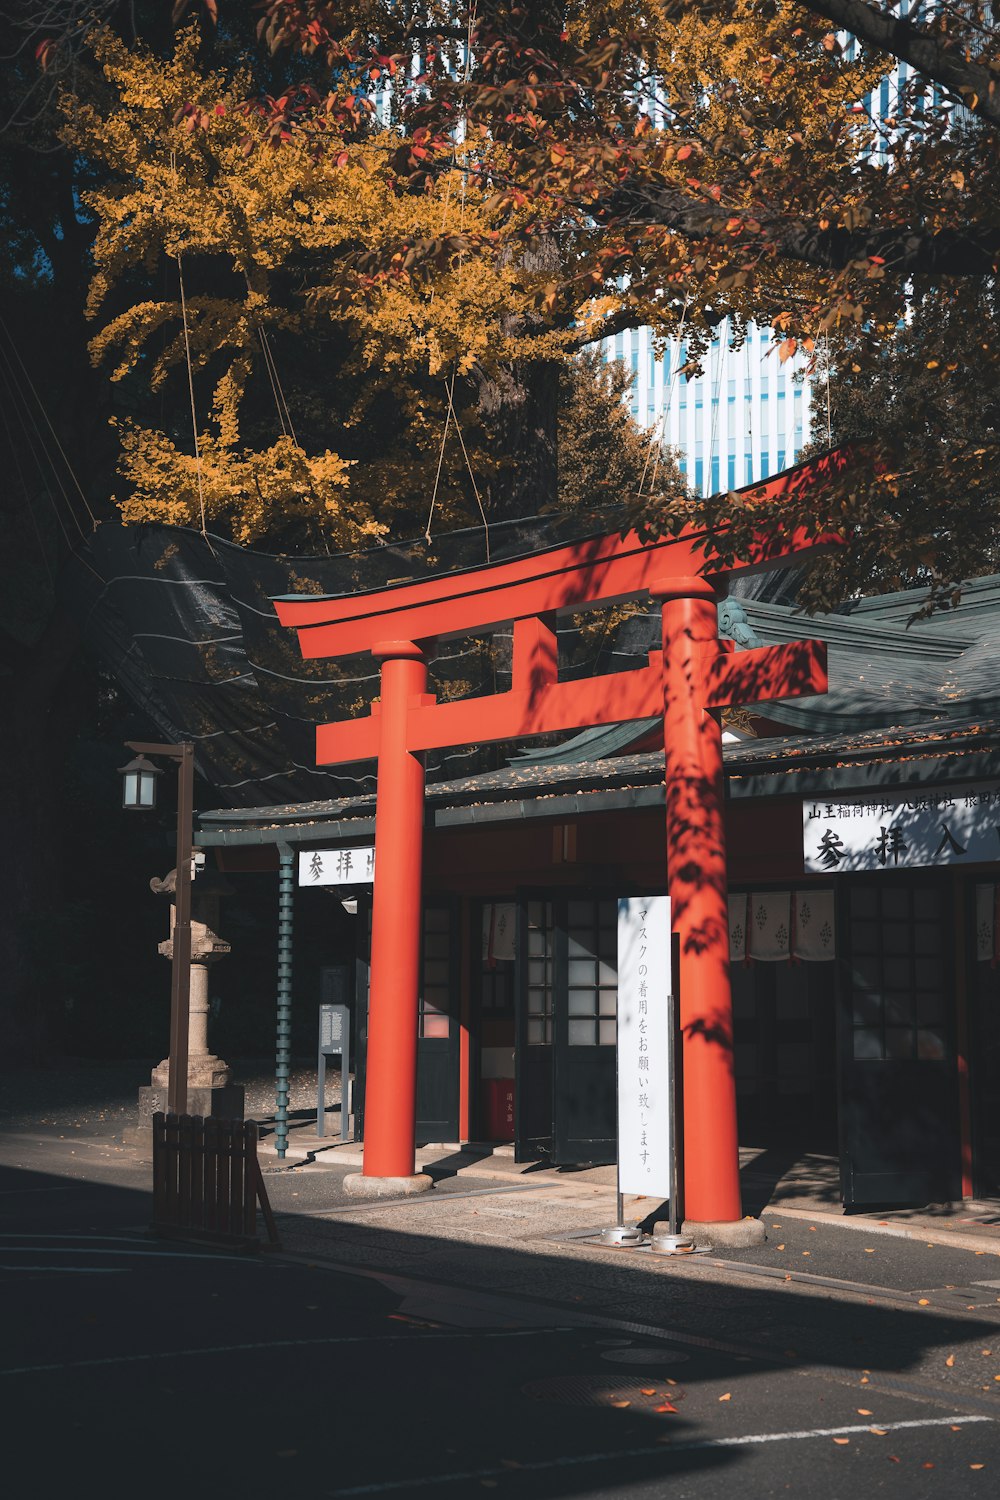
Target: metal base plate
(672,1244)
(621,1234)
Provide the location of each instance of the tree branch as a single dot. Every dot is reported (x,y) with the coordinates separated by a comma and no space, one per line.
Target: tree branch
(967,79)
(910,252)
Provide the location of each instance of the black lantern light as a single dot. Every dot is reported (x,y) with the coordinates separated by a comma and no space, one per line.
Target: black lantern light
(139,784)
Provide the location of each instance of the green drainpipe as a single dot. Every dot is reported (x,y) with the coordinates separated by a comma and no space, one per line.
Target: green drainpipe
(283,1049)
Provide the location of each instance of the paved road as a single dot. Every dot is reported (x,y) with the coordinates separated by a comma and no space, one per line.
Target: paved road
(471,1341)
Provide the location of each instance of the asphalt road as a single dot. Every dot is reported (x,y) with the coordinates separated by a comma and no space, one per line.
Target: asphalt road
(469,1341)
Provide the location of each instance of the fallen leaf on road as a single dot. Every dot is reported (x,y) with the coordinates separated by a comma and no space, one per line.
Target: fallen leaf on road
(863,1411)
(924,1302)
(665,1407)
(727,1397)
(621,1403)
(950,1361)
(878,1431)
(927,1466)
(781,1247)
(812,1228)
(869,1251)
(841,1441)
(893,1459)
(807,1252)
(649,1390)
(986,1351)
(671,1382)
(977,1466)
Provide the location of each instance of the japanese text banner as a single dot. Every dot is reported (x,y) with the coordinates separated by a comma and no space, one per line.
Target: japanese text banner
(944,825)
(644,1081)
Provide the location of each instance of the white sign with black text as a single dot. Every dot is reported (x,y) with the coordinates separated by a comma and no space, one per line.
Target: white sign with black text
(337,866)
(645,1085)
(939,825)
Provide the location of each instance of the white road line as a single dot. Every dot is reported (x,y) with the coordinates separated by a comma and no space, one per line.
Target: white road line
(660,1450)
(434,1337)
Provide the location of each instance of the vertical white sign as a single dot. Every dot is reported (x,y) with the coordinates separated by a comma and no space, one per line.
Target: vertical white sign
(644,1082)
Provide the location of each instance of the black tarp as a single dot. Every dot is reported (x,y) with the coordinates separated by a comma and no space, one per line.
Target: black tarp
(186,625)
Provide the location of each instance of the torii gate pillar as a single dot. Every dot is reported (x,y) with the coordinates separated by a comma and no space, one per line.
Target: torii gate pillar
(696,883)
(390,1110)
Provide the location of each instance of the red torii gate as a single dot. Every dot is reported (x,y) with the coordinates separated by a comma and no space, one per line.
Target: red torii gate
(689,680)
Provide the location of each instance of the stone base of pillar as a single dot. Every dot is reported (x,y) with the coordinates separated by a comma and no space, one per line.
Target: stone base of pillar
(357,1185)
(734,1234)
(205,1071)
(226,1103)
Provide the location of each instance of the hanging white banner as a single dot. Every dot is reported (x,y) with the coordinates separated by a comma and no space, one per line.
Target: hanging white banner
(337,866)
(645,1086)
(943,825)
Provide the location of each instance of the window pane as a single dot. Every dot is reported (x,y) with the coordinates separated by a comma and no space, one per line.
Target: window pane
(580,913)
(895,937)
(607,1003)
(536,941)
(867,1009)
(900,1042)
(436,945)
(608,974)
(607,1036)
(581,1034)
(930,1046)
(537,971)
(927,937)
(927,906)
(436,919)
(930,1007)
(897,973)
(895,904)
(536,1033)
(864,937)
(580,971)
(436,1026)
(868,1044)
(582,1002)
(580,943)
(435,971)
(864,901)
(899,1010)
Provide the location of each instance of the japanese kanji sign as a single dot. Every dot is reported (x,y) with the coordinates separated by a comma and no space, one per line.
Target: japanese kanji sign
(645,1087)
(337,866)
(944,825)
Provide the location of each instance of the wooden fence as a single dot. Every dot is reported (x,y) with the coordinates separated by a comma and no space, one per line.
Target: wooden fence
(207,1180)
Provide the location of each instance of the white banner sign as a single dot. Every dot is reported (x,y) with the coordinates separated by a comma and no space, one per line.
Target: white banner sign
(871,831)
(644,1082)
(336,866)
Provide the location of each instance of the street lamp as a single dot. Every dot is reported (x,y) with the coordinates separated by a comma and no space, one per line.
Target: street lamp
(139,793)
(139,784)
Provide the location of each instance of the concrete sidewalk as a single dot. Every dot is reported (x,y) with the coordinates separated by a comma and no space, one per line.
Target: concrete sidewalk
(803,1187)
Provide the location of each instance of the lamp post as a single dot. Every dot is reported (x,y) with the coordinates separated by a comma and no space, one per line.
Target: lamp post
(139,794)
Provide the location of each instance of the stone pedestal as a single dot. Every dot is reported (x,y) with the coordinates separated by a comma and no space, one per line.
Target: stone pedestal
(227,1103)
(210,1090)
(205,1070)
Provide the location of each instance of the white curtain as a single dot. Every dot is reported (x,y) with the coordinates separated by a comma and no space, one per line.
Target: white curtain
(770,925)
(738,927)
(986,923)
(813,932)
